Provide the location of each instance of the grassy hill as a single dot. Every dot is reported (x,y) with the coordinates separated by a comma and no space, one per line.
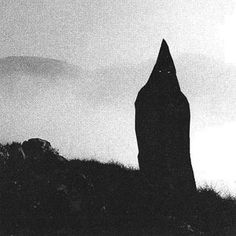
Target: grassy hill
(48,195)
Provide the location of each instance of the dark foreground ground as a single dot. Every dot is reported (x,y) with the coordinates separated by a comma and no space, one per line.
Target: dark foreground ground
(48,195)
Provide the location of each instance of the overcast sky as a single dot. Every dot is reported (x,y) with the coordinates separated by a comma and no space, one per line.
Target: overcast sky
(118,41)
(99,33)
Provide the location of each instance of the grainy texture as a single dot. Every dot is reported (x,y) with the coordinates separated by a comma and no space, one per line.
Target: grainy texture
(162,128)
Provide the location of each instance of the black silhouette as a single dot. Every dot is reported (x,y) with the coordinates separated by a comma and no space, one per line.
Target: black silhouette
(162,127)
(37,148)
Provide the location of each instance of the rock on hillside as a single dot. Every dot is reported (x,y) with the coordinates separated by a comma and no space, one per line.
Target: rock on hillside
(36,148)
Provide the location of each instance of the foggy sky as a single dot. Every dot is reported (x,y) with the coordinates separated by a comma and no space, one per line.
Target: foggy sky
(113,45)
(99,33)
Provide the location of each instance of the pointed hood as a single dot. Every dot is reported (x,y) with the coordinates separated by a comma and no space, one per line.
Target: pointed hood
(164,61)
(163,75)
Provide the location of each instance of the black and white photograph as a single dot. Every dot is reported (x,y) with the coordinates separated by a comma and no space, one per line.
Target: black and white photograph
(118,117)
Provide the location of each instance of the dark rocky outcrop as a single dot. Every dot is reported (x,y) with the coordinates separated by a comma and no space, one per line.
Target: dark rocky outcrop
(36,148)
(162,127)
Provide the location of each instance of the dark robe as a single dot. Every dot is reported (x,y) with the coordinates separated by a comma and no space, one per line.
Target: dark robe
(162,123)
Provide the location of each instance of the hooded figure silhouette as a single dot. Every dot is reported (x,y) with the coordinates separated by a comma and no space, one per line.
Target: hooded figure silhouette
(162,122)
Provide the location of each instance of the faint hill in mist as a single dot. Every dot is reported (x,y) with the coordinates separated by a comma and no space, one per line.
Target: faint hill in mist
(199,77)
(31,65)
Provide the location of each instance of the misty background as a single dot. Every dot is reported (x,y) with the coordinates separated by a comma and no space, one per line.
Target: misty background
(70,72)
